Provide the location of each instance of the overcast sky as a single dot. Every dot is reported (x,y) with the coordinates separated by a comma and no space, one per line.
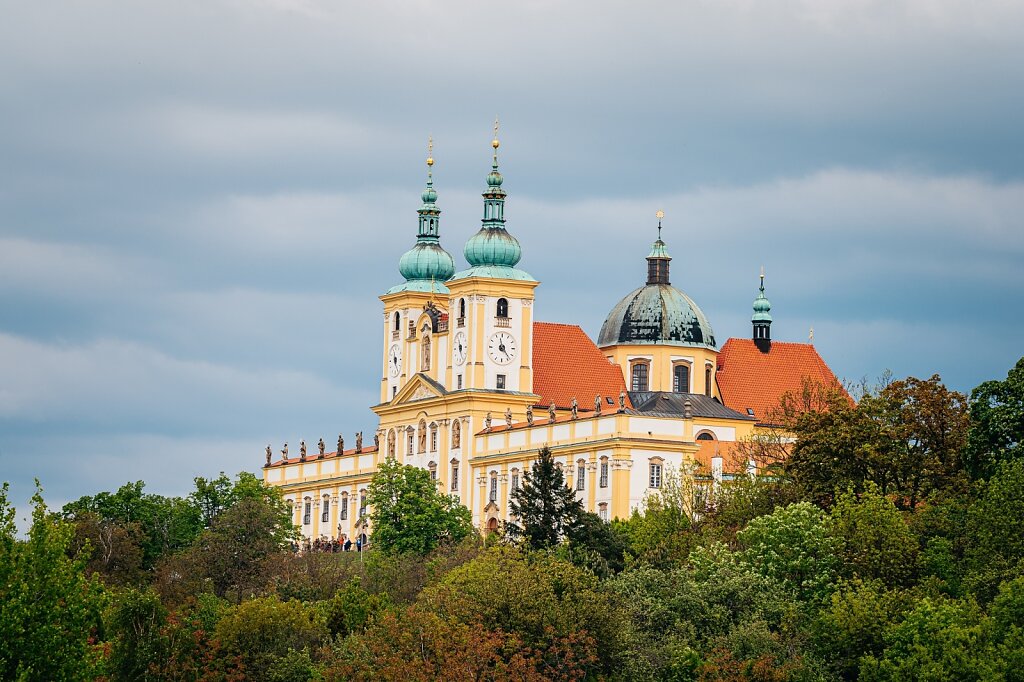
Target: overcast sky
(200,201)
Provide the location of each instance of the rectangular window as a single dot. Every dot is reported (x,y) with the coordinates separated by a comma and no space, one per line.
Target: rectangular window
(604,474)
(602,511)
(655,481)
(494,488)
(343,510)
(362,506)
(307,513)
(433,440)
(581,476)
(325,515)
(458,382)
(394,391)
(515,481)
(455,477)
(409,450)
(639,382)
(681,379)
(501,382)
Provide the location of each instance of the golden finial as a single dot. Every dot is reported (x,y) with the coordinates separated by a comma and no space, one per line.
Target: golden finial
(659,215)
(430,151)
(494,142)
(762,272)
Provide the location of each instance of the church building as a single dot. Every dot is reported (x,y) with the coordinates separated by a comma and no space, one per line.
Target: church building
(472,386)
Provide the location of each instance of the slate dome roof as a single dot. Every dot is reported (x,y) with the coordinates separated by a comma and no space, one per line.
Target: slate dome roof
(657,314)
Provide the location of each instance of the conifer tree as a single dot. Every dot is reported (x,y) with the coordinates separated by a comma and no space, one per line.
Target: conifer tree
(545,510)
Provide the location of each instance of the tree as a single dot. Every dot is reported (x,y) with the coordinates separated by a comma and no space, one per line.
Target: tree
(997,431)
(874,540)
(409,515)
(996,545)
(536,596)
(665,532)
(545,510)
(49,610)
(792,546)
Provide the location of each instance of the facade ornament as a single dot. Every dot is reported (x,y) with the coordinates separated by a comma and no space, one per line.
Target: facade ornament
(268,455)
(487,422)
(284,451)
(359,441)
(321,446)
(597,405)
(529,415)
(687,409)
(376,440)
(302,451)
(508,417)
(341,445)
(551,411)
(574,409)
(622,401)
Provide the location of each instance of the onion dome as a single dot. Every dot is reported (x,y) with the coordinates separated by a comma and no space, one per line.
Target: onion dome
(657,313)
(493,252)
(426,265)
(762,318)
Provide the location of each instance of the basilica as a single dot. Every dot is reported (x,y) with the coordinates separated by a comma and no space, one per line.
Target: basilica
(472,387)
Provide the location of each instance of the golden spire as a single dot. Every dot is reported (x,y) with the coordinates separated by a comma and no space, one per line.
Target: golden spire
(495,143)
(430,151)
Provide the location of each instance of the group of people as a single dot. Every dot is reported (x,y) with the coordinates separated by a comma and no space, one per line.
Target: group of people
(330,545)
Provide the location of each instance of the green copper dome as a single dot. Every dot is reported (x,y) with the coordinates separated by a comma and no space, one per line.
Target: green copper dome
(493,252)
(762,306)
(426,265)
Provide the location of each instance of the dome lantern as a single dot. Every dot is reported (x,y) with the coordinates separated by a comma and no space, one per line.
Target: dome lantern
(762,319)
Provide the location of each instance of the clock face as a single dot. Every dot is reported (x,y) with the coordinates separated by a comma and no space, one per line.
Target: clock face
(502,348)
(395,360)
(459,348)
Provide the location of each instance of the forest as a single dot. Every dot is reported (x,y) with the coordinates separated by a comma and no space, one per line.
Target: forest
(885,543)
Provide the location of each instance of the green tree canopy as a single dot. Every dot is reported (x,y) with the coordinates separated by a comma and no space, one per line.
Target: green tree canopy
(544,511)
(874,539)
(49,610)
(409,515)
(997,432)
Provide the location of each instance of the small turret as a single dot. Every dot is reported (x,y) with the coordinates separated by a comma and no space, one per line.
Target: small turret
(762,319)
(658,259)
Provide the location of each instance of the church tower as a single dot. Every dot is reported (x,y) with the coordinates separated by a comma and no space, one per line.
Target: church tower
(492,304)
(762,320)
(414,311)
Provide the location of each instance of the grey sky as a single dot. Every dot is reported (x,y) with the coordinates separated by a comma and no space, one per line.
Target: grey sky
(200,201)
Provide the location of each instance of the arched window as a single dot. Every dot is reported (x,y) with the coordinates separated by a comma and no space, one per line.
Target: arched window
(462,308)
(705,435)
(325,509)
(502,307)
(492,525)
(398,322)
(423,437)
(456,434)
(639,374)
(391,443)
(707,380)
(426,353)
(433,437)
(681,379)
(343,507)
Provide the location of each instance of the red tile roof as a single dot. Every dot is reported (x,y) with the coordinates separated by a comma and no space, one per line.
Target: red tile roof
(748,378)
(567,365)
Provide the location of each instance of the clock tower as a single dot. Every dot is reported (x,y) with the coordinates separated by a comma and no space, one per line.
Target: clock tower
(414,319)
(492,304)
